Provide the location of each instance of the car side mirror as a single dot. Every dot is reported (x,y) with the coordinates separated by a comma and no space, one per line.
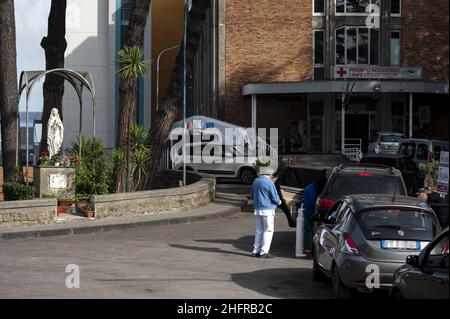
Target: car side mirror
(412,260)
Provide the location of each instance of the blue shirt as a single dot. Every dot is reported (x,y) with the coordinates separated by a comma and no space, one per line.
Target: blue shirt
(309,199)
(264,194)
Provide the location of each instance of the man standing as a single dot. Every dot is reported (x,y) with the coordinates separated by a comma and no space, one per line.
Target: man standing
(265,201)
(310,194)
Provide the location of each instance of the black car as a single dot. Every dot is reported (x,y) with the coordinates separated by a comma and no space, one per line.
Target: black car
(426,275)
(352,179)
(413,177)
(368,230)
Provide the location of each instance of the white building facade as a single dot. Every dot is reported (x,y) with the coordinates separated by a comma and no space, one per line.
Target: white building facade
(94,31)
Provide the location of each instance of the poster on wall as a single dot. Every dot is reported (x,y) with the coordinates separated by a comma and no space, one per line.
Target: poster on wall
(442,183)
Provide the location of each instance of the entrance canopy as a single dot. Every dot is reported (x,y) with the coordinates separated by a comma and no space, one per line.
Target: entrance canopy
(341,86)
(79,80)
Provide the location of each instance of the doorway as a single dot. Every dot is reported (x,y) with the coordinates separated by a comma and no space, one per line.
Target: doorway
(357,126)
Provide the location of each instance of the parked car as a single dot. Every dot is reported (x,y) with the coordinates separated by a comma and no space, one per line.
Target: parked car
(229,161)
(422,151)
(351,179)
(290,185)
(413,177)
(426,275)
(385,143)
(370,230)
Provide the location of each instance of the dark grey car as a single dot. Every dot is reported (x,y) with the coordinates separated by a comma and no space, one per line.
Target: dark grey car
(424,276)
(370,235)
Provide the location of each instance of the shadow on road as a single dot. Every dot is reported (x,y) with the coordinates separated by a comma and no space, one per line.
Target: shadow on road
(283,243)
(287,283)
(207,249)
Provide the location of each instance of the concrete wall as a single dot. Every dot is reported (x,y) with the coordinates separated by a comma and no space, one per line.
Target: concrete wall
(27,212)
(178,199)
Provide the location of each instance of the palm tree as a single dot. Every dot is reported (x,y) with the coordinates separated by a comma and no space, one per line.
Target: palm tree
(8,87)
(133,37)
(131,68)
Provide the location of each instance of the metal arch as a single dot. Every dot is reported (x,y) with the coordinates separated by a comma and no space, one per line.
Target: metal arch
(78,80)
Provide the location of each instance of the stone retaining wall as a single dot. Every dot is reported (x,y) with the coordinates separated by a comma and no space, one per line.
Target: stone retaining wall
(153,202)
(27,212)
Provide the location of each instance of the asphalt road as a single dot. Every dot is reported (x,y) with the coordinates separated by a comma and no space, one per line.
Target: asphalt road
(208,259)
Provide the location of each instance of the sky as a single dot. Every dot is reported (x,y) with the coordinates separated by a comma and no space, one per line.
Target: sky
(31,26)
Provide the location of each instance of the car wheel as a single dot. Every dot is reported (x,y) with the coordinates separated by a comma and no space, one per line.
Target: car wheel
(318,275)
(339,291)
(247,176)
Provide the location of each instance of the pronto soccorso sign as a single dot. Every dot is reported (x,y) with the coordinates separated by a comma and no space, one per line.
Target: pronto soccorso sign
(375,72)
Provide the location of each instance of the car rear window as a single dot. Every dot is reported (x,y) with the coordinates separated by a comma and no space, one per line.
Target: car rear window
(365,183)
(390,138)
(397,224)
(408,149)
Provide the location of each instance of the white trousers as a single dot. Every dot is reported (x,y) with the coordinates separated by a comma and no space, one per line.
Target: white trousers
(264,234)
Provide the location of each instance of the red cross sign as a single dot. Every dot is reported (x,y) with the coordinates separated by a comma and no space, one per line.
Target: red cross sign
(341,72)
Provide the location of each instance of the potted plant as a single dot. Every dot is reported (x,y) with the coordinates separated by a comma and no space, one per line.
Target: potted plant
(65,202)
(89,210)
(61,210)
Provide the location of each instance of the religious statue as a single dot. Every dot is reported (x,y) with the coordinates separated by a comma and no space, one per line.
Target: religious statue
(55,132)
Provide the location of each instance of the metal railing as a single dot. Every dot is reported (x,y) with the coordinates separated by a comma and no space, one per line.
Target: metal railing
(352,149)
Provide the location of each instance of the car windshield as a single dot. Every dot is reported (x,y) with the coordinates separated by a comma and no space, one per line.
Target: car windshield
(397,223)
(391,138)
(365,183)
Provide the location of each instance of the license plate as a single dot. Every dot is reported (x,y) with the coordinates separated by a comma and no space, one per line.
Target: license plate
(400,244)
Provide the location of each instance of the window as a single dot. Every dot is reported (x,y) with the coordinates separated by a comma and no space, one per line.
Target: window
(357,7)
(395,47)
(422,152)
(319,54)
(396,7)
(357,45)
(437,152)
(319,7)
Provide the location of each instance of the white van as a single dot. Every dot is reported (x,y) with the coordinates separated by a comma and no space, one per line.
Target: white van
(422,151)
(230,161)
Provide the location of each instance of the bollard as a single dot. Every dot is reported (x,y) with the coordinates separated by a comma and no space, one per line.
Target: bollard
(299,252)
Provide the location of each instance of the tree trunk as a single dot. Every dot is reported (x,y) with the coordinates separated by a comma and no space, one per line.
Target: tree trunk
(128,98)
(54,45)
(8,88)
(172,102)
(128,91)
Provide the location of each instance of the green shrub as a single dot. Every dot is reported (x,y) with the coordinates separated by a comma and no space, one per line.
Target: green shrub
(431,171)
(93,175)
(17,191)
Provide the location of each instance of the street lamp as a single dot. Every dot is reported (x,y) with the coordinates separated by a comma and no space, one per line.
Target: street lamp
(187,8)
(157,71)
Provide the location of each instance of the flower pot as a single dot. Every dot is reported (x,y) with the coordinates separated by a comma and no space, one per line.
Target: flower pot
(66,202)
(89,213)
(61,210)
(79,207)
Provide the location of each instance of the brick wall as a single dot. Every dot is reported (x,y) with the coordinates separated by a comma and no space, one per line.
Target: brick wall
(266,41)
(425,37)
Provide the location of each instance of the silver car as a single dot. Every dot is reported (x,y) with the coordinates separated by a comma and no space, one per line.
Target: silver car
(385,143)
(365,238)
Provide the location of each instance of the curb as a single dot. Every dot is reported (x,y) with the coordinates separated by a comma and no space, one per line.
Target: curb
(87,229)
